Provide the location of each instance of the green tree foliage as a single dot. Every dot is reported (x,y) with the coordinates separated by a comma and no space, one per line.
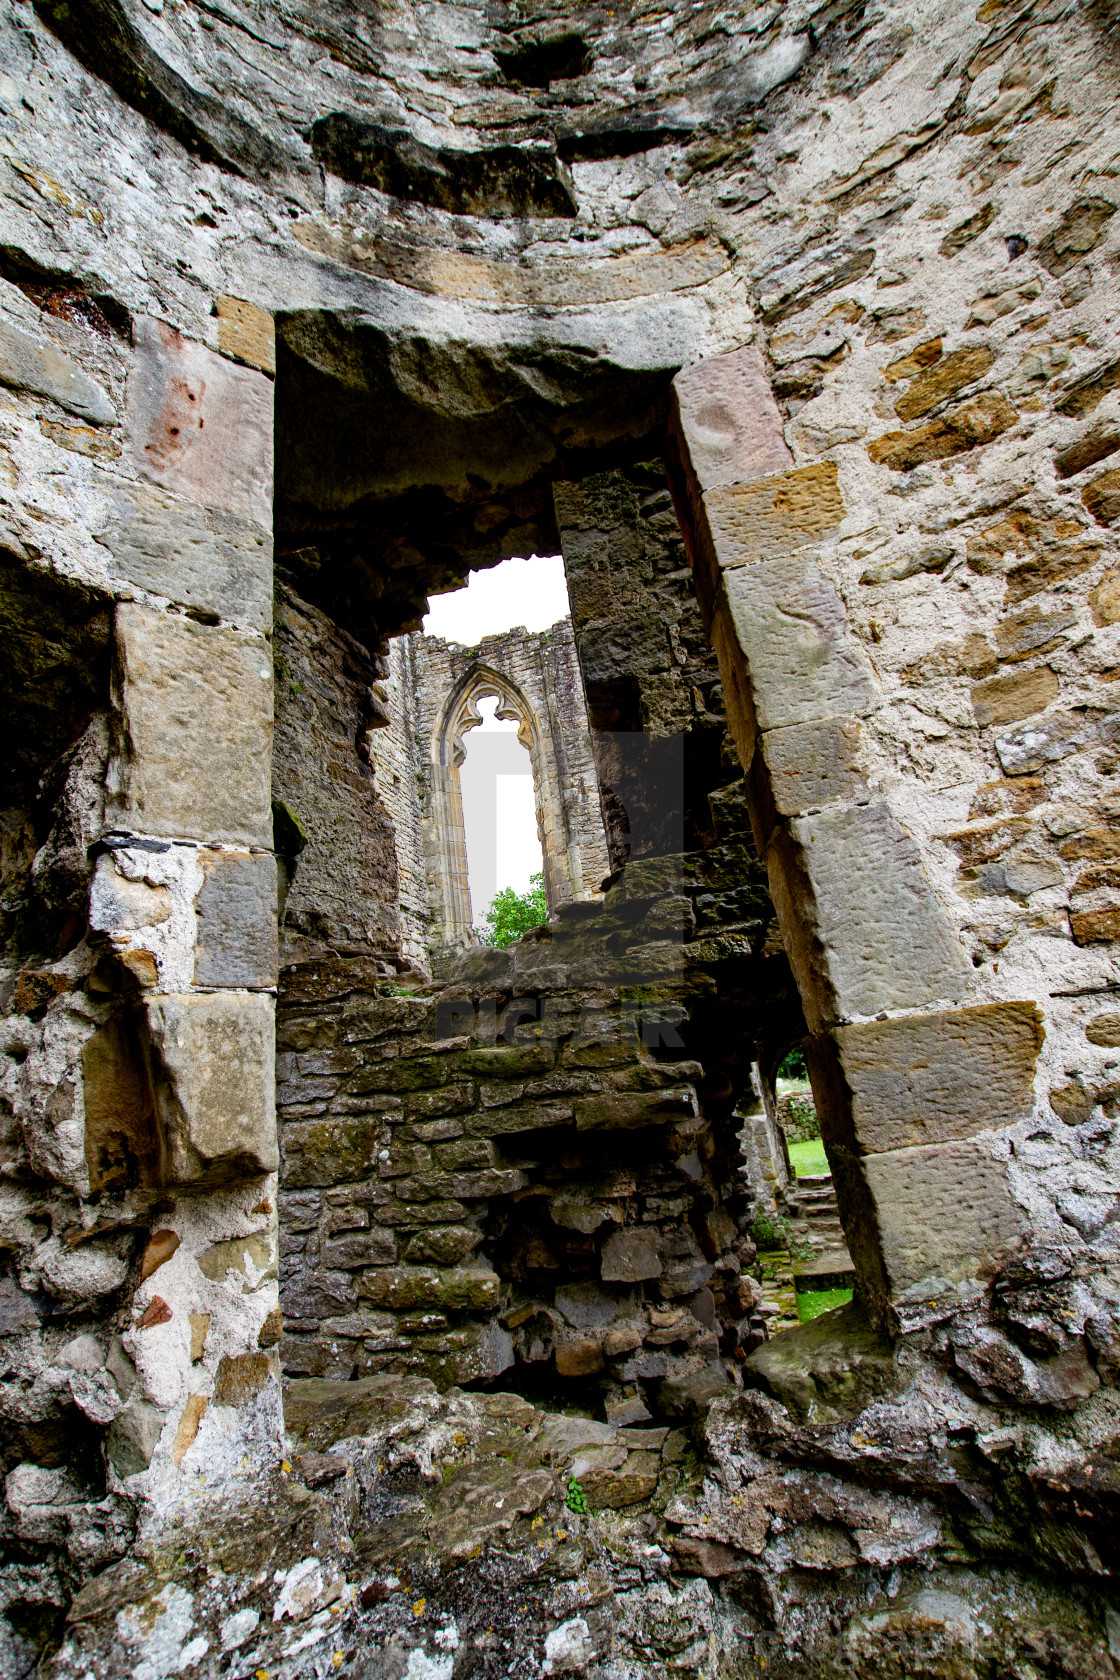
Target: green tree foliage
(793,1065)
(512,914)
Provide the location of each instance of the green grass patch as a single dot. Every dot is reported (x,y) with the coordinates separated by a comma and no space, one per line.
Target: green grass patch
(817,1301)
(808,1158)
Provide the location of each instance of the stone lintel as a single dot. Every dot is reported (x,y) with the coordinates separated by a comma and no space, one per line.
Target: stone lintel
(926,1079)
(861,924)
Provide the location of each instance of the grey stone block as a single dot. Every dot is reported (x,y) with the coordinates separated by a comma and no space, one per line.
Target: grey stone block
(944,1212)
(198,424)
(236,911)
(197,557)
(214,1058)
(629,1256)
(133,1437)
(932,1078)
(194,730)
(31,364)
(788,623)
(812,764)
(862,925)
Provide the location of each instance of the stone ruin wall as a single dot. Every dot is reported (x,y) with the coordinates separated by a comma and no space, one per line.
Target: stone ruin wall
(881,248)
(429,680)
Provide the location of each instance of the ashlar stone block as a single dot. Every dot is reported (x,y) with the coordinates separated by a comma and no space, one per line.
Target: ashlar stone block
(928,1079)
(214,1057)
(771,516)
(246,332)
(786,652)
(813,764)
(194,730)
(199,425)
(725,425)
(859,919)
(236,911)
(630,1256)
(196,557)
(944,1213)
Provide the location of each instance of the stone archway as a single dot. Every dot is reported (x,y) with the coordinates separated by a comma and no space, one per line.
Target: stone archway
(445,838)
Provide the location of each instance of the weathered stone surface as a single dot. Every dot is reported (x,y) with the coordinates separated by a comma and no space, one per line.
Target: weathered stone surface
(1102,497)
(196,557)
(246,332)
(428,1286)
(728,426)
(851,895)
(240,1377)
(320,1152)
(935,384)
(195,730)
(1020,694)
(237,1255)
(944,1212)
(629,1256)
(236,911)
(769,517)
(963,429)
(930,1078)
(215,1097)
(31,364)
(579,1358)
(1028,749)
(812,764)
(829,1369)
(133,1437)
(787,622)
(199,425)
(1032,631)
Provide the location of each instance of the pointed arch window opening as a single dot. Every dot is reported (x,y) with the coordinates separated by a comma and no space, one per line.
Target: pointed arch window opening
(456,916)
(501,819)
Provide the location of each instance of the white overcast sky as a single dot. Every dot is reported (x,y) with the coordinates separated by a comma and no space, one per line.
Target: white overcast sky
(499,810)
(529,592)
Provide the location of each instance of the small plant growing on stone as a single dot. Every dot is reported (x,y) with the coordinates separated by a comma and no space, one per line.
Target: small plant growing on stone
(770,1231)
(577,1499)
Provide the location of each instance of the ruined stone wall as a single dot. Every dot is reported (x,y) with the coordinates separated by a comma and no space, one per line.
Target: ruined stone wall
(489,245)
(342,887)
(430,698)
(140,947)
(535,1163)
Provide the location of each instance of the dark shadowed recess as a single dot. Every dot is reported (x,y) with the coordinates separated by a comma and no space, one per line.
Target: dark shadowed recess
(54,674)
(538,62)
(403,463)
(491,181)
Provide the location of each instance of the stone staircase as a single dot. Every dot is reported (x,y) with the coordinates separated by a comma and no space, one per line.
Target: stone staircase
(820,1254)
